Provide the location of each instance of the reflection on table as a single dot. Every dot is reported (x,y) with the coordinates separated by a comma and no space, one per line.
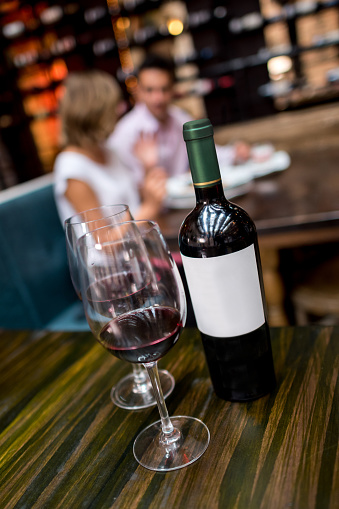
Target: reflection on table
(63,443)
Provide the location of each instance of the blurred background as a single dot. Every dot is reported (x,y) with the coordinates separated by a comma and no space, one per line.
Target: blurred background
(263,70)
(235,61)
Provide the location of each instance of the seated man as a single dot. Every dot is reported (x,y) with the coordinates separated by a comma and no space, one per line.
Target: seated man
(151,133)
(155,120)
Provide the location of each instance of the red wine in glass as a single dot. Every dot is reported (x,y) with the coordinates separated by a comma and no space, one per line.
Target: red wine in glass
(154,330)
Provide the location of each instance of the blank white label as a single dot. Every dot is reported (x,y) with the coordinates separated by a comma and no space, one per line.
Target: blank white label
(225,293)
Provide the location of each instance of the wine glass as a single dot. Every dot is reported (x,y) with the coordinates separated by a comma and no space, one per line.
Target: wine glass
(135,305)
(134,391)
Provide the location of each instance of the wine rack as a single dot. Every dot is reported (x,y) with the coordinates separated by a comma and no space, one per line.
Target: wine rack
(222,55)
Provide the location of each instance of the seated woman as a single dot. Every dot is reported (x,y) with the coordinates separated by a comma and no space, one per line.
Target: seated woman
(88,174)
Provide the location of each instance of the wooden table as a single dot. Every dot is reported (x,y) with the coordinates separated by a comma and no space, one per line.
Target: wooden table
(299,205)
(63,443)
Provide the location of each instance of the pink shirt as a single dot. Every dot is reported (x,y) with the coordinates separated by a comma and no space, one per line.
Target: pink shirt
(171,145)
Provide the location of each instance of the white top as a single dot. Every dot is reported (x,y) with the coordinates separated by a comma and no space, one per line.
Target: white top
(171,145)
(112,182)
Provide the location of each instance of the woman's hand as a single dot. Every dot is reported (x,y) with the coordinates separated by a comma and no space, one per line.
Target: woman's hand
(153,193)
(146,150)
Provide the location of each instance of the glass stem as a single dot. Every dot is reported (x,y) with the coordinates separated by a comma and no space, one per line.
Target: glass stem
(166,425)
(139,374)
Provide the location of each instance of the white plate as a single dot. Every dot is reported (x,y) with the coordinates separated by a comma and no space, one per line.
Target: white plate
(236,179)
(279,161)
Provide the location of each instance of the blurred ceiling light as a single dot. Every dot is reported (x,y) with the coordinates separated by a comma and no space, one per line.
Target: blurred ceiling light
(235,25)
(58,70)
(26,58)
(103,46)
(175,26)
(220,11)
(13,29)
(63,45)
(94,14)
(51,15)
(279,65)
(252,20)
(123,23)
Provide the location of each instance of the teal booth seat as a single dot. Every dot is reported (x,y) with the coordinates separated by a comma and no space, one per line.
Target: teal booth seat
(36,289)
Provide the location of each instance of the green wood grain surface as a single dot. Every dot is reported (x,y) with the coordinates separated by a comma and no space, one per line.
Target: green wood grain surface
(64,444)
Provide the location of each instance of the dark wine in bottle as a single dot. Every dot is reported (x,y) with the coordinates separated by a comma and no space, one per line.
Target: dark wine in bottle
(219,250)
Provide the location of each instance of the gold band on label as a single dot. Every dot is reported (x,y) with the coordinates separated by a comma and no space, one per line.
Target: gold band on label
(201,184)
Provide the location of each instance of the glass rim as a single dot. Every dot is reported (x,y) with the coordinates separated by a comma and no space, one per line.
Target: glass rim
(71,220)
(82,240)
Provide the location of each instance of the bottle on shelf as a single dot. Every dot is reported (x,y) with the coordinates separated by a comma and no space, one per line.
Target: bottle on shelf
(220,254)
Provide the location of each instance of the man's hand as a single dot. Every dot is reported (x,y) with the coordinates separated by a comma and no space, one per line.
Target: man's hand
(242,152)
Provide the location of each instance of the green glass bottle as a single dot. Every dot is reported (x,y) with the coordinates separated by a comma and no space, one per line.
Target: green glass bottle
(220,254)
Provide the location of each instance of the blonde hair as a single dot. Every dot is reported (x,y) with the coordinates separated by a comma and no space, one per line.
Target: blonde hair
(88,109)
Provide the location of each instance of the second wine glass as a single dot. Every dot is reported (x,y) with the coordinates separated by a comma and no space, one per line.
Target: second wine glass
(134,391)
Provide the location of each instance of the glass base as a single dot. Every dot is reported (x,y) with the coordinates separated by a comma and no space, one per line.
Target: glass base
(188,442)
(134,396)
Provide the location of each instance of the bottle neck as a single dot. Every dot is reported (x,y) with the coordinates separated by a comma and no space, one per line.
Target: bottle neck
(210,194)
(205,170)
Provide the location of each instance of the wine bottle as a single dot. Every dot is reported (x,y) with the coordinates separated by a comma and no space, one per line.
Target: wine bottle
(221,260)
